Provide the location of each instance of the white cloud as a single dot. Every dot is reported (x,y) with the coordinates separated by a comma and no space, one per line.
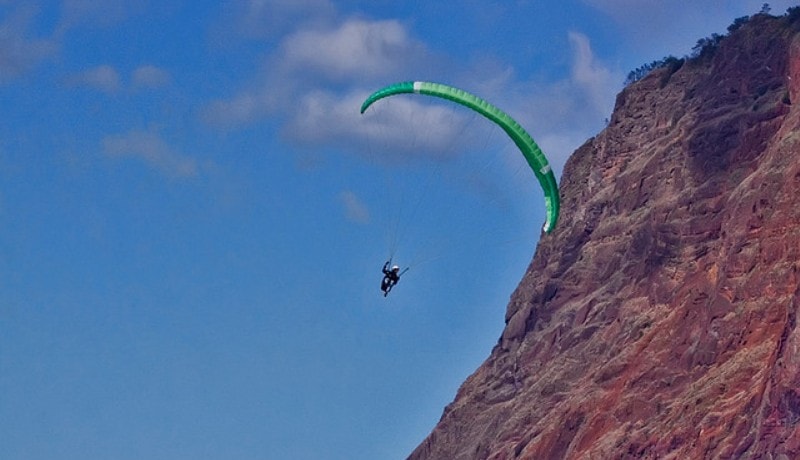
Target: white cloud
(354,208)
(103,77)
(393,129)
(356,49)
(317,58)
(149,76)
(19,52)
(149,147)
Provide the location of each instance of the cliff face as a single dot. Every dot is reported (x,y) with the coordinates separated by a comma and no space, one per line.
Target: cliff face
(659,319)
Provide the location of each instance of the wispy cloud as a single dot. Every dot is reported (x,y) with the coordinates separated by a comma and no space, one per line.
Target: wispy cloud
(596,81)
(108,79)
(355,49)
(317,78)
(150,148)
(341,56)
(354,208)
(19,51)
(103,78)
(392,130)
(150,76)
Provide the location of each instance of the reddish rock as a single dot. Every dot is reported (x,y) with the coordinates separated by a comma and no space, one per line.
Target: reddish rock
(659,319)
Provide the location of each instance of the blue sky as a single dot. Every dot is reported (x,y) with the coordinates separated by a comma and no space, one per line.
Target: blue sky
(193,214)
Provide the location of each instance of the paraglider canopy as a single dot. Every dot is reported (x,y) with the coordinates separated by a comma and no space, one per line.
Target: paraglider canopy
(530,150)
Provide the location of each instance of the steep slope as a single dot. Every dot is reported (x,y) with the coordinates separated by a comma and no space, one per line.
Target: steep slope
(659,319)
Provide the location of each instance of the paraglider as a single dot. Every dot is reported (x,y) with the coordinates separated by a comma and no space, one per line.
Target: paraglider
(532,153)
(390,277)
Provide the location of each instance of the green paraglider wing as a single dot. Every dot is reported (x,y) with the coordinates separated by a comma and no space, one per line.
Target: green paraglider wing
(533,154)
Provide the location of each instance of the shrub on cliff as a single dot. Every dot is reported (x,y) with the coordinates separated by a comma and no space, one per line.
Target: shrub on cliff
(642,71)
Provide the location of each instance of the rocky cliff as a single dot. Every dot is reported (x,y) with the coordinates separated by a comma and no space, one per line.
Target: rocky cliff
(659,319)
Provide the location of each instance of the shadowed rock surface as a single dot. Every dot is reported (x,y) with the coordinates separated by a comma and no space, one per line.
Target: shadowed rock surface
(659,319)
